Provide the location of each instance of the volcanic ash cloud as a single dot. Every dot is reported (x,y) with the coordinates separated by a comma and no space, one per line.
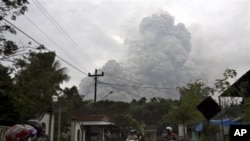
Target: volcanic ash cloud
(158,58)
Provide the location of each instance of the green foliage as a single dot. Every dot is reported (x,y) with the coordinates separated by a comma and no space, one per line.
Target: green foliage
(246,109)
(9,8)
(70,102)
(67,105)
(9,48)
(222,84)
(8,114)
(186,111)
(125,121)
(13,8)
(191,95)
(137,114)
(196,88)
(36,82)
(245,104)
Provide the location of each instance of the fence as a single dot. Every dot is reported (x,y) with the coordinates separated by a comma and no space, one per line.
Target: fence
(3,129)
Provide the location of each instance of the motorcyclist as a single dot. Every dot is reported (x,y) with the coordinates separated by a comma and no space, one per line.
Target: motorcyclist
(140,135)
(31,131)
(20,132)
(41,136)
(169,135)
(132,135)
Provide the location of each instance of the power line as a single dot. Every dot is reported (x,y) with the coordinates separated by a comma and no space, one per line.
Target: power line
(44,46)
(71,65)
(90,86)
(63,32)
(22,32)
(138,86)
(47,36)
(128,92)
(122,78)
(137,83)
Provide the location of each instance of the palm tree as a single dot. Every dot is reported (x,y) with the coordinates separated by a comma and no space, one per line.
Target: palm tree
(37,82)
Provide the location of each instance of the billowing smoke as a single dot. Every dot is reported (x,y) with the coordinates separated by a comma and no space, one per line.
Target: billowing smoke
(157,62)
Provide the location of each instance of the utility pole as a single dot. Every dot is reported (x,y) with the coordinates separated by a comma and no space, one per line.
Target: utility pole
(59,123)
(95,78)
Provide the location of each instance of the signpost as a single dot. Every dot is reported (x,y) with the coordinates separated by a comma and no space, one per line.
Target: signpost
(209,108)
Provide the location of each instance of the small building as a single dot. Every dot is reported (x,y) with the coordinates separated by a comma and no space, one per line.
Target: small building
(235,96)
(77,131)
(98,126)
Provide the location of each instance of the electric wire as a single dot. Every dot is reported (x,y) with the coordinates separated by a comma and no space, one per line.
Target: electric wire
(63,32)
(47,36)
(128,92)
(91,85)
(137,86)
(137,83)
(44,47)
(122,78)
(53,21)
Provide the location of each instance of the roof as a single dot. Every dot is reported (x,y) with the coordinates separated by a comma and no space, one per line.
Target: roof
(96,123)
(92,117)
(95,120)
(235,89)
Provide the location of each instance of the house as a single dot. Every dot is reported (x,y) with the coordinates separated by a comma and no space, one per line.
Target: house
(235,95)
(231,112)
(235,90)
(98,126)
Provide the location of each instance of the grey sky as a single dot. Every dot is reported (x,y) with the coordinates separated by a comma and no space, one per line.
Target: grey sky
(220,31)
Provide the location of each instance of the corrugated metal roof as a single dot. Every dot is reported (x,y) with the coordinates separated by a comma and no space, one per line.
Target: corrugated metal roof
(93,117)
(235,89)
(97,123)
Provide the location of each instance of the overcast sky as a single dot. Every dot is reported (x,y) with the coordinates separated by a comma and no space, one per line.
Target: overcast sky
(220,31)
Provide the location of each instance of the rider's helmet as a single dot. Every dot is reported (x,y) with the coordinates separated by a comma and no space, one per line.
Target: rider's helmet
(132,131)
(168,128)
(20,132)
(37,125)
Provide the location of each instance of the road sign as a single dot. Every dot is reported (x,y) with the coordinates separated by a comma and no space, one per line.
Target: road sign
(209,108)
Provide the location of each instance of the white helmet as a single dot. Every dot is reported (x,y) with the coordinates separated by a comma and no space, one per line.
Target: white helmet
(169,128)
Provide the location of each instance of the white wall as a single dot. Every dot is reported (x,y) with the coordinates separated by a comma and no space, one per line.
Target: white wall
(48,120)
(77,131)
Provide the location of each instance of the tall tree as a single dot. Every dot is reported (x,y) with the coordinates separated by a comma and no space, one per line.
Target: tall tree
(37,82)
(8,114)
(66,107)
(223,84)
(12,9)
(191,95)
(70,102)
